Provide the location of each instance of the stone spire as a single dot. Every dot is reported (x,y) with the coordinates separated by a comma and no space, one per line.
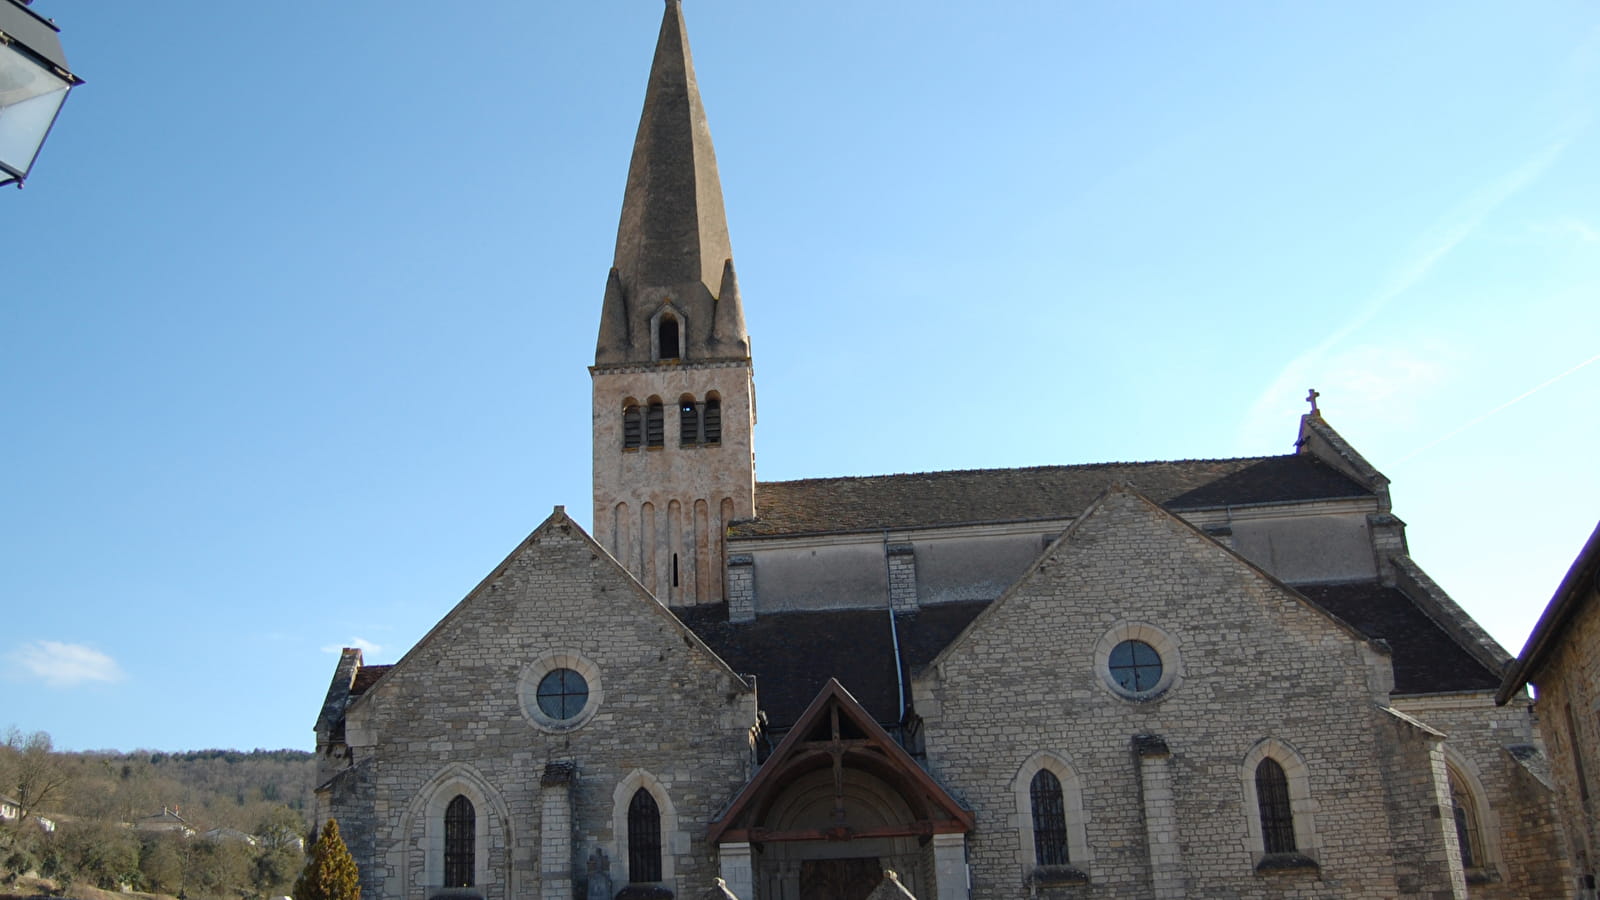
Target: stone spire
(672,242)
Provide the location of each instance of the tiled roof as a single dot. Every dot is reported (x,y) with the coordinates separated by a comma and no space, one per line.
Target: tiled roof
(1426,659)
(794,654)
(365,676)
(834,505)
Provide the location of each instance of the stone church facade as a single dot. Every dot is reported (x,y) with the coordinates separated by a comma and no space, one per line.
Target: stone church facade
(1204,678)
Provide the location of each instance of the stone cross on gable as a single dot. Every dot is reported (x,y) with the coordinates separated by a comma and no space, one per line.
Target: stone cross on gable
(1311,398)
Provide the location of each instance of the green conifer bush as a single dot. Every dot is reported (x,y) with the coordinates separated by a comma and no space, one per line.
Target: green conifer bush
(331,873)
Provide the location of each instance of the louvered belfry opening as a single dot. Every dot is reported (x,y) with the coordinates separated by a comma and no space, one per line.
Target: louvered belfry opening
(712,418)
(644,838)
(1277,817)
(655,425)
(1049,819)
(688,422)
(632,427)
(460,832)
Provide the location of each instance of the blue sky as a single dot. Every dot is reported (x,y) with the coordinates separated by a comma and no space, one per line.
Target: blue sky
(297,313)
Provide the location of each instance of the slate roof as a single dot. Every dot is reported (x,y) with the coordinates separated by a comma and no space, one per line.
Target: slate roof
(928,499)
(794,654)
(1426,659)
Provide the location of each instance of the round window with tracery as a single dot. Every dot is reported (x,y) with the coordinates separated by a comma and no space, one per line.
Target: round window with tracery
(560,690)
(1136,666)
(1138,662)
(562,694)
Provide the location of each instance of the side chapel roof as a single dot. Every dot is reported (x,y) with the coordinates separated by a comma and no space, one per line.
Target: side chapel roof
(1426,659)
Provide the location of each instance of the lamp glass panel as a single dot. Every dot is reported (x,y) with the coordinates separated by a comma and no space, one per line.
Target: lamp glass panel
(30,97)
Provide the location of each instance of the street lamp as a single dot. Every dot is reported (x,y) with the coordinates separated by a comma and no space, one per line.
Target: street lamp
(34,82)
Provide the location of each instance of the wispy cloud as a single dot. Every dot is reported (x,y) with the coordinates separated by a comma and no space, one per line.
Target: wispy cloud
(63,665)
(364,645)
(1509,403)
(1311,367)
(1570,227)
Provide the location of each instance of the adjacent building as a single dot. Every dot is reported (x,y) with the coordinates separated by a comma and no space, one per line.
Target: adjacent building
(1562,660)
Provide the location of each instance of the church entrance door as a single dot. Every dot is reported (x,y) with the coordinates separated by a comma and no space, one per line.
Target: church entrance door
(840,879)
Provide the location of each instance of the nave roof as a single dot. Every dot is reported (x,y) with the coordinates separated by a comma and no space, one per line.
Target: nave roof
(974,496)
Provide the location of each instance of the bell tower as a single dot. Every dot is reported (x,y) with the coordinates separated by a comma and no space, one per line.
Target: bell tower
(674,389)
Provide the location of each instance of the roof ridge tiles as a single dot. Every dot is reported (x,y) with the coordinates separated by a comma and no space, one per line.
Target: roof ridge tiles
(1038,468)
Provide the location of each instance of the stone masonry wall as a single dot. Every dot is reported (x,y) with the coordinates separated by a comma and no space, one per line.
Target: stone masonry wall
(1522,838)
(1416,792)
(451,717)
(1256,663)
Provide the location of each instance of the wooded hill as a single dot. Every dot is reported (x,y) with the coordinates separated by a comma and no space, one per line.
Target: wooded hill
(219,824)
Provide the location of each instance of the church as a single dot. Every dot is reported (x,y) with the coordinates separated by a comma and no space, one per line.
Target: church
(1196,678)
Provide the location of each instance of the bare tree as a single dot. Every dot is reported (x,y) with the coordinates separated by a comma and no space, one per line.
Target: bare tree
(34,775)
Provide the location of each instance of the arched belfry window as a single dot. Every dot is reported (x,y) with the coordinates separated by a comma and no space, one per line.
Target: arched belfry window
(632,426)
(644,838)
(1049,819)
(460,832)
(712,416)
(655,425)
(668,338)
(1277,816)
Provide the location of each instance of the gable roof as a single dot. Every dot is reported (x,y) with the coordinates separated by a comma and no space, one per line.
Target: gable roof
(974,496)
(558,521)
(834,730)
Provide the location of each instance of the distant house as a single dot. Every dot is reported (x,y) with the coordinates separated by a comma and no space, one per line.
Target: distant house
(1562,660)
(11,809)
(219,835)
(167,820)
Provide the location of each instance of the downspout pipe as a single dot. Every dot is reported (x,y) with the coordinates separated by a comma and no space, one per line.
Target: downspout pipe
(894,632)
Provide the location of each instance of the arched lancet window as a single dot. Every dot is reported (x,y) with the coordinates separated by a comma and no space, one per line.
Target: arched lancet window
(688,421)
(1049,820)
(1468,832)
(644,838)
(713,419)
(655,425)
(632,427)
(667,337)
(460,824)
(1277,817)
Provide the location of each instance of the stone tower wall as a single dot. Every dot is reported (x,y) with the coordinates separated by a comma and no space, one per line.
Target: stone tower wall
(654,504)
